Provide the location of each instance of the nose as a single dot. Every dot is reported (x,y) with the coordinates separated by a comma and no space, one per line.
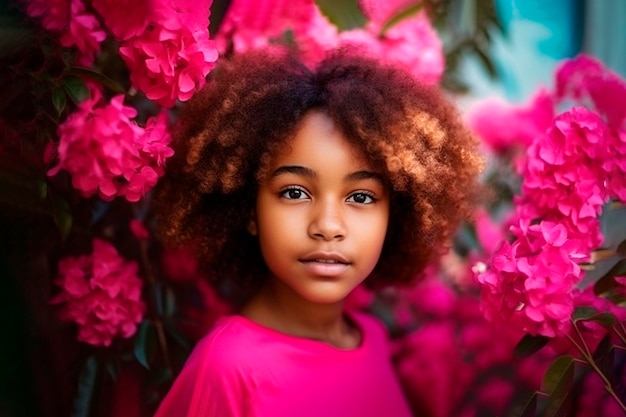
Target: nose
(327,221)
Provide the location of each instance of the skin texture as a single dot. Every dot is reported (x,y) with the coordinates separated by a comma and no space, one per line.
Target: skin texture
(322,202)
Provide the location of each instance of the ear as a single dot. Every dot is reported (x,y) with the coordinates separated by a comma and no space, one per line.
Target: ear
(252,225)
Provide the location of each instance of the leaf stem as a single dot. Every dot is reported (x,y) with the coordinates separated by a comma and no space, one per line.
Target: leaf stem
(591,362)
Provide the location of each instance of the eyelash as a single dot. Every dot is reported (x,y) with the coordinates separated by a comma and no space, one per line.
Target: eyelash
(283,194)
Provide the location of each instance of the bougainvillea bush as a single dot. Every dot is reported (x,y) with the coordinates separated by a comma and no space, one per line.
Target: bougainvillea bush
(523,317)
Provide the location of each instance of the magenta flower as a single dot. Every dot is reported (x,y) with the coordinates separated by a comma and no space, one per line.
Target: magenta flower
(54,14)
(78,27)
(171,58)
(529,282)
(108,154)
(259,24)
(125,18)
(101,293)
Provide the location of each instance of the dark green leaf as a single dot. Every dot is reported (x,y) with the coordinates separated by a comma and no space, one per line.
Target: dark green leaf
(607,287)
(145,335)
(344,14)
(559,377)
(95,75)
(75,88)
(86,388)
(621,248)
(59,100)
(486,61)
(530,345)
(604,319)
(61,214)
(584,313)
(525,408)
(399,17)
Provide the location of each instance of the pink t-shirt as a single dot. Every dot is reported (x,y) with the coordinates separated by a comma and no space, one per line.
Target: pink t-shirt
(245,369)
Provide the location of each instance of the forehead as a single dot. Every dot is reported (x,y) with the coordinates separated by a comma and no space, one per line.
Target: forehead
(318,140)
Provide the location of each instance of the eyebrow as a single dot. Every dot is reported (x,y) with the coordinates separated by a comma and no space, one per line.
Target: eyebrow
(308,172)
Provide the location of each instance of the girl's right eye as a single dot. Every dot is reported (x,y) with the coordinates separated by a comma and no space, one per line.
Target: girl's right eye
(294,193)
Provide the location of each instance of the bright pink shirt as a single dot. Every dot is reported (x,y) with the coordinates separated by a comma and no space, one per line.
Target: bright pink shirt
(245,369)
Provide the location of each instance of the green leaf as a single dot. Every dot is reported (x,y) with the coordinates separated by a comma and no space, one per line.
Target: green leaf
(604,319)
(173,331)
(98,76)
(61,214)
(559,377)
(525,408)
(86,388)
(584,313)
(75,88)
(345,14)
(59,100)
(607,287)
(399,17)
(530,345)
(144,343)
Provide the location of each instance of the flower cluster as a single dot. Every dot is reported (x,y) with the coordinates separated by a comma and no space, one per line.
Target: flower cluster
(78,27)
(165,44)
(412,42)
(455,353)
(571,170)
(101,293)
(108,154)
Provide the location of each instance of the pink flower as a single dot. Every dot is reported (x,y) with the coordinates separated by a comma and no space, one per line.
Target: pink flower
(107,153)
(101,293)
(139,230)
(504,127)
(585,78)
(529,282)
(125,18)
(54,14)
(170,59)
(258,24)
(412,43)
(84,33)
(432,370)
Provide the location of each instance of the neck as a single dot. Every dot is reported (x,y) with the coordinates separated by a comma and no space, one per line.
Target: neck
(298,317)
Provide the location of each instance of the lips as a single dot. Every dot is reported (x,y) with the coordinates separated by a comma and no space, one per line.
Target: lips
(325,264)
(326,257)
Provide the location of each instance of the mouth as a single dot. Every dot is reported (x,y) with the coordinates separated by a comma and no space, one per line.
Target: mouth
(326,258)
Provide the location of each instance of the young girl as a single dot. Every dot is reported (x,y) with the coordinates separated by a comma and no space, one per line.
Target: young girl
(296,186)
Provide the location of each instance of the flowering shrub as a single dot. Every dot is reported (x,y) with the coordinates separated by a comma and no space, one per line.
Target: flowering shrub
(101,293)
(543,279)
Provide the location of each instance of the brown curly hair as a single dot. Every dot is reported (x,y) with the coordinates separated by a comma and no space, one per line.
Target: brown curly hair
(254,102)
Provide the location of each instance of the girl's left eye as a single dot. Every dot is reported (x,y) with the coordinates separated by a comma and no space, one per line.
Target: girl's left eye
(361,198)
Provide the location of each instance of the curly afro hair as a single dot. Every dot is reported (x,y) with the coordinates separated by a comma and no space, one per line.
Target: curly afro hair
(254,102)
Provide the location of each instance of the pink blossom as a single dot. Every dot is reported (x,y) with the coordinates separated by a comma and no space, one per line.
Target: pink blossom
(585,78)
(258,24)
(139,230)
(126,18)
(432,369)
(84,33)
(54,14)
(504,127)
(529,281)
(108,154)
(496,395)
(412,43)
(169,60)
(78,27)
(101,293)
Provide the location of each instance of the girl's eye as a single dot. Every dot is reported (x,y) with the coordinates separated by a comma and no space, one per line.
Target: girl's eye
(294,194)
(361,198)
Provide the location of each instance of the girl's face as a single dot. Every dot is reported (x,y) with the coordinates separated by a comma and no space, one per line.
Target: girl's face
(321,214)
